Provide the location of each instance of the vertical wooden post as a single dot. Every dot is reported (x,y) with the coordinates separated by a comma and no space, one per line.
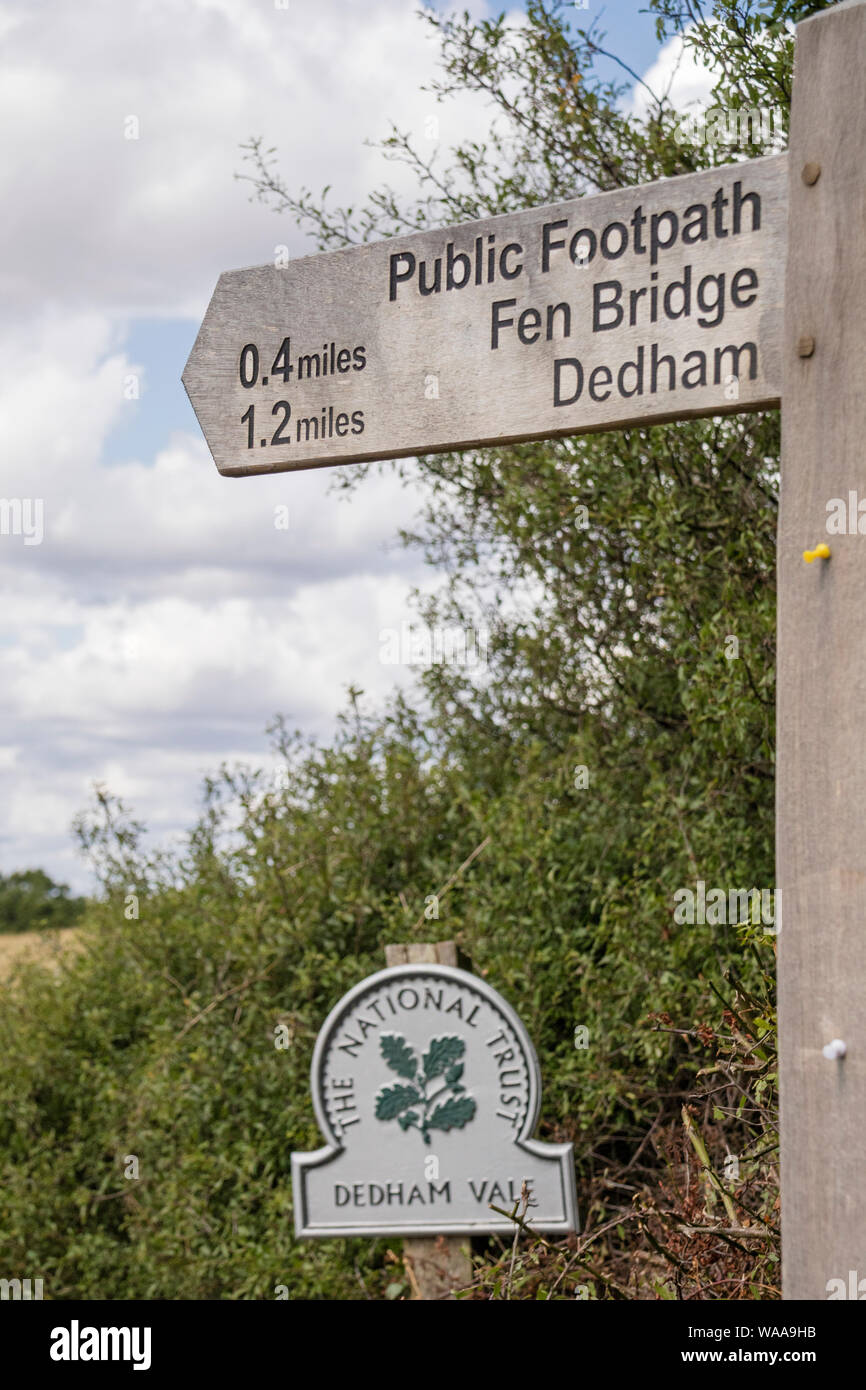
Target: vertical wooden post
(437,1265)
(821,702)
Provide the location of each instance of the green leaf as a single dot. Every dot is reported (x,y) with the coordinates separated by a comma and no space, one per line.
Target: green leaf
(398,1054)
(453,1074)
(440,1055)
(393,1100)
(452,1114)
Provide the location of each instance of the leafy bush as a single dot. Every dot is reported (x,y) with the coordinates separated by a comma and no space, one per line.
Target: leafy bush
(615,749)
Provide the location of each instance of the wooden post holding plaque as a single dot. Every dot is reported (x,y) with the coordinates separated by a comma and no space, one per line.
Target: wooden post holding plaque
(437,1265)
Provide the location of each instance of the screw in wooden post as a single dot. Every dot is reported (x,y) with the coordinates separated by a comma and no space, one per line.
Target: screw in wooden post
(811,173)
(805,346)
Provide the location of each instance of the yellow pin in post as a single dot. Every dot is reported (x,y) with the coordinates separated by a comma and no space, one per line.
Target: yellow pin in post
(821,552)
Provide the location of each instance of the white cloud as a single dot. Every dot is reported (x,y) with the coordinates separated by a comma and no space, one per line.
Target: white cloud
(145,225)
(149,696)
(677,74)
(154,524)
(164,618)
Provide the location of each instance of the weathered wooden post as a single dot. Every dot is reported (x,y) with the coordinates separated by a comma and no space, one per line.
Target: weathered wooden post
(437,1265)
(821,761)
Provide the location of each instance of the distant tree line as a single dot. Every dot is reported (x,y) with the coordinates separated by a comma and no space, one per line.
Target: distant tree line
(31,901)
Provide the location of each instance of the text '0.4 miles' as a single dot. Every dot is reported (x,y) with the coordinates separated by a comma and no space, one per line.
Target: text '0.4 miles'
(326,422)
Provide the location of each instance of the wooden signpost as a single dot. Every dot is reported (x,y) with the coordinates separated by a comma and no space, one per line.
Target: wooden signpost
(646,304)
(821,669)
(736,289)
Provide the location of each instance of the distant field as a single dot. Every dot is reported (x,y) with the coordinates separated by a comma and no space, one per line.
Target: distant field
(35,945)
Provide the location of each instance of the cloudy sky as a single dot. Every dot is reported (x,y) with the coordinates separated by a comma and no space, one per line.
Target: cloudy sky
(162,619)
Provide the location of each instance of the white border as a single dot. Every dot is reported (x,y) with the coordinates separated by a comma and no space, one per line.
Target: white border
(301,1162)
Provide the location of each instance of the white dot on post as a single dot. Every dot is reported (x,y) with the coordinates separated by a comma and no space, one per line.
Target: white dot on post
(834,1050)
